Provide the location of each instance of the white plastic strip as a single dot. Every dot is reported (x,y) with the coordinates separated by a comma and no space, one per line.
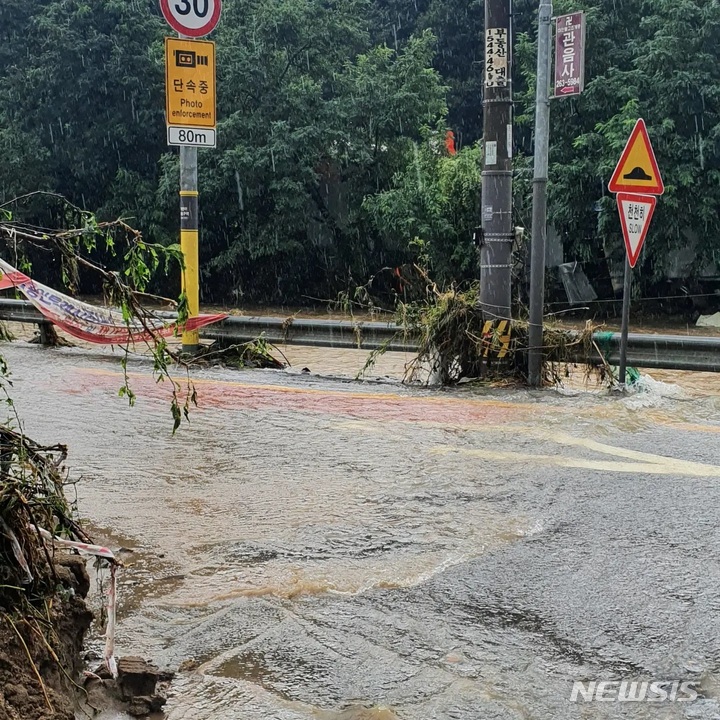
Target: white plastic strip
(110,630)
(17,552)
(107,554)
(86,548)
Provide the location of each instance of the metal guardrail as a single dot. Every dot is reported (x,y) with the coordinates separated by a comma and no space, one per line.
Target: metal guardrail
(23,311)
(311,332)
(20,311)
(666,352)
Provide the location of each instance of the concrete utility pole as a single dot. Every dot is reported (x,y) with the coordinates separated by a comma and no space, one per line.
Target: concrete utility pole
(497,225)
(540,181)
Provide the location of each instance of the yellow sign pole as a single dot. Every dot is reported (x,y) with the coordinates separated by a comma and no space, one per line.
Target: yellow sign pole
(189,231)
(189,244)
(191,119)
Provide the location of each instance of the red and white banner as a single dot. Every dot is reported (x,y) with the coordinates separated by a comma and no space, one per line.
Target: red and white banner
(90,322)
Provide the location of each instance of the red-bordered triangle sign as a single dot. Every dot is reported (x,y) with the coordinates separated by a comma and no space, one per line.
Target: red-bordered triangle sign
(637,171)
(636,212)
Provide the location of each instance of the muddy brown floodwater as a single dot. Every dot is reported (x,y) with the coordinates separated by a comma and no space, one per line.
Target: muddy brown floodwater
(310,547)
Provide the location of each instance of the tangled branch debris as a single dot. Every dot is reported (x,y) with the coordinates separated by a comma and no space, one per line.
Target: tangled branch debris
(32,497)
(255,354)
(454,342)
(43,618)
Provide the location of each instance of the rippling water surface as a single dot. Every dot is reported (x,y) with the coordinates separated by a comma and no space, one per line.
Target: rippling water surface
(318,548)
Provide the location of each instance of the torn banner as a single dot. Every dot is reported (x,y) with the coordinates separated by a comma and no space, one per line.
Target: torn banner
(89,322)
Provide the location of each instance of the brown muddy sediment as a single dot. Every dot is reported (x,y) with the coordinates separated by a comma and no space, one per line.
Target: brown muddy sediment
(40,650)
(314,549)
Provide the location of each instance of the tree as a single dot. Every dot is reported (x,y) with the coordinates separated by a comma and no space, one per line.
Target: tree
(433,207)
(82,101)
(655,60)
(305,135)
(321,103)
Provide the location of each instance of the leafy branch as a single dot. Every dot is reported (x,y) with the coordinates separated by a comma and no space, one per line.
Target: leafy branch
(126,288)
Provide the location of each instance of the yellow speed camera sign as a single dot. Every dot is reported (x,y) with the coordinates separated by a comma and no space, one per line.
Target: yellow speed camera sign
(190,83)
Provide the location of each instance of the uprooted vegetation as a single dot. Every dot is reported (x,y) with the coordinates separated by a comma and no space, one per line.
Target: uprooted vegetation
(43,618)
(456,342)
(254,354)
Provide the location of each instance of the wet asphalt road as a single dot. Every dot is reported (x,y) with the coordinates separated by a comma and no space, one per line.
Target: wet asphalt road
(311,548)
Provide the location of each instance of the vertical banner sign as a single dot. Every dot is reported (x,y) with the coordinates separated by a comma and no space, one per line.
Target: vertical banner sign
(190,92)
(569,55)
(496,57)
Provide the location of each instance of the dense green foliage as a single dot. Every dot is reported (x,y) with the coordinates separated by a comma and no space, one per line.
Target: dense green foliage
(656,59)
(331,161)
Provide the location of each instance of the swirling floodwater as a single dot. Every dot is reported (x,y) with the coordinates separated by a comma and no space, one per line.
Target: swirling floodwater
(309,546)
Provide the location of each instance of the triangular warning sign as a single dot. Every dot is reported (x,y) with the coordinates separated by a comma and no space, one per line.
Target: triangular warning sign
(637,171)
(636,211)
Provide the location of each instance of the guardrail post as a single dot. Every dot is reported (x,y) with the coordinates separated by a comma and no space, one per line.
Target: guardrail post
(45,333)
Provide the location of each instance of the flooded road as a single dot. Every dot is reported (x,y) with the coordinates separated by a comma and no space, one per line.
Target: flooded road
(317,548)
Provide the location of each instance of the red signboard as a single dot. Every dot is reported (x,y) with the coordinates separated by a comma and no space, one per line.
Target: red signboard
(569,55)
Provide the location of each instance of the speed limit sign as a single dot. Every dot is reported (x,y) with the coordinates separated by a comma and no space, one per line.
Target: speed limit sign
(193,18)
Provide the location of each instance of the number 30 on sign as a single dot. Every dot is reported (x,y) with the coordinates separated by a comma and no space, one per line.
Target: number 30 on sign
(192,18)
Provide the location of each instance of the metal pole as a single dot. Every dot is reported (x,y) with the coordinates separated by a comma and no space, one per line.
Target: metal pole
(189,238)
(189,232)
(540,181)
(496,200)
(627,287)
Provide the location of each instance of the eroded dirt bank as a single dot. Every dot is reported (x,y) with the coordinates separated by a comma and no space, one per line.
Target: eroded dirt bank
(40,649)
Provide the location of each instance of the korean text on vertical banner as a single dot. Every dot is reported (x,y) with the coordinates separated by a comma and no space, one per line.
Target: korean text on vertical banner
(569,55)
(496,57)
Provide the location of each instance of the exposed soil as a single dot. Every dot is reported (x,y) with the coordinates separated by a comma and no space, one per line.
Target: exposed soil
(53,637)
